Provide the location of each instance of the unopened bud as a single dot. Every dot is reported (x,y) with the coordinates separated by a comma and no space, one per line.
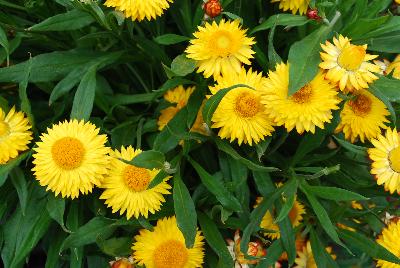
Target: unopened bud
(212,8)
(312,14)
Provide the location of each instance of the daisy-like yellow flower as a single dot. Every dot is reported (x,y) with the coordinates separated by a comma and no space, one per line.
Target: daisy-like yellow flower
(178,96)
(272,229)
(15,134)
(164,247)
(394,68)
(363,117)
(138,9)
(294,5)
(220,48)
(390,240)
(306,259)
(240,114)
(126,186)
(71,158)
(309,107)
(385,158)
(348,65)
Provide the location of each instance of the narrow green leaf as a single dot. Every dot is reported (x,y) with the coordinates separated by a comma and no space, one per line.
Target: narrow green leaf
(264,183)
(215,240)
(288,238)
(384,89)
(273,56)
(223,146)
(281,19)
(23,95)
(368,246)
(84,96)
(351,147)
(66,84)
(149,159)
(185,211)
(5,169)
(4,41)
(170,39)
(225,197)
(116,246)
(275,251)
(321,256)
(334,193)
(290,195)
(72,20)
(19,182)
(56,207)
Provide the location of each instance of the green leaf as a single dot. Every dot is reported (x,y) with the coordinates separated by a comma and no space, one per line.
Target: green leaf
(96,228)
(4,41)
(5,169)
(185,211)
(116,246)
(304,59)
(290,195)
(273,56)
(264,183)
(170,39)
(216,187)
(182,65)
(281,19)
(56,207)
(84,96)
(385,89)
(215,240)
(275,251)
(322,216)
(213,102)
(322,257)
(368,246)
(308,143)
(66,84)
(23,95)
(351,147)
(148,159)
(288,238)
(334,193)
(72,20)
(223,146)
(19,182)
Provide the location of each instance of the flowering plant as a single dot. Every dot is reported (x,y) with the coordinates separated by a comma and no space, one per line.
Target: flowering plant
(215,133)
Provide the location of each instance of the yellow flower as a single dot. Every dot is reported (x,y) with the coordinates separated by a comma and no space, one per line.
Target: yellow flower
(356,205)
(394,68)
(306,259)
(272,229)
(385,158)
(15,134)
(178,96)
(348,64)
(293,5)
(164,247)
(309,107)
(390,240)
(220,48)
(363,117)
(240,114)
(126,186)
(138,9)
(383,65)
(71,158)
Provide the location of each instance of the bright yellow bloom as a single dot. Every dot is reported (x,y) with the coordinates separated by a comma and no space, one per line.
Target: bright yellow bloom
(138,9)
(362,117)
(306,259)
(272,229)
(15,134)
(385,158)
(220,48)
(348,65)
(390,240)
(164,247)
(394,68)
(309,107)
(178,96)
(240,114)
(71,158)
(293,5)
(126,186)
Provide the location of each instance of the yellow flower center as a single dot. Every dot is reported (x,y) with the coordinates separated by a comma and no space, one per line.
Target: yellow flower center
(136,178)
(361,105)
(247,105)
(222,43)
(68,153)
(351,57)
(394,159)
(4,129)
(169,254)
(303,95)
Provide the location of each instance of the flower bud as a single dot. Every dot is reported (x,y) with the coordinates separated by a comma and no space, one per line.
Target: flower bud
(212,8)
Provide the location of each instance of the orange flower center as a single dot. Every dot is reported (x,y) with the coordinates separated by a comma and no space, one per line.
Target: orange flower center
(136,178)
(4,129)
(171,253)
(68,153)
(351,57)
(394,159)
(303,95)
(247,105)
(361,105)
